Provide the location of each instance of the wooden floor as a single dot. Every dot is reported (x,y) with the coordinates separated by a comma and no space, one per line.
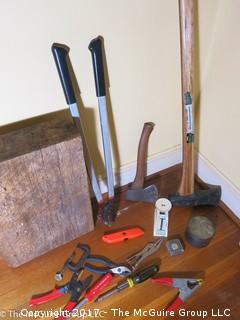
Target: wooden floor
(219,264)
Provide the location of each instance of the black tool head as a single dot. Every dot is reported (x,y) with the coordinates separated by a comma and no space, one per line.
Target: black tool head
(211,197)
(77,287)
(148,194)
(76,267)
(108,212)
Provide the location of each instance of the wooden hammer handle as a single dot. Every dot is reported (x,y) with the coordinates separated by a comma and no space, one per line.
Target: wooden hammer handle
(141,157)
(186,35)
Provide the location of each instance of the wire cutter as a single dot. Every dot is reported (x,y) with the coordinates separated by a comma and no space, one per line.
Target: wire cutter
(74,287)
(186,287)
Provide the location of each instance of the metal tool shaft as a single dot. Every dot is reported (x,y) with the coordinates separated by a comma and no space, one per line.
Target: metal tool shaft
(110,292)
(91,172)
(106,144)
(61,55)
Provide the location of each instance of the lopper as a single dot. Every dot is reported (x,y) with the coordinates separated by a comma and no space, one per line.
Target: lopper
(62,60)
(109,210)
(186,287)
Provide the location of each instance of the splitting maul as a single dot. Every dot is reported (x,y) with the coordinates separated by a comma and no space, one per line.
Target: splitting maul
(186,194)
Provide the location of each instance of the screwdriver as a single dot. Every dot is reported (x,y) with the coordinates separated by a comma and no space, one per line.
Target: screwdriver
(102,283)
(131,281)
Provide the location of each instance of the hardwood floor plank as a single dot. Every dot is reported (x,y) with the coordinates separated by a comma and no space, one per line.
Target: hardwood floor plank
(218,263)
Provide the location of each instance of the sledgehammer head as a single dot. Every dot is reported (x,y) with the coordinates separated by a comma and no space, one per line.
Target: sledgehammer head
(148,194)
(210,197)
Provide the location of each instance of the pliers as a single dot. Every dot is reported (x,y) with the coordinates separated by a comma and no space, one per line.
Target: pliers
(83,264)
(149,249)
(186,287)
(74,287)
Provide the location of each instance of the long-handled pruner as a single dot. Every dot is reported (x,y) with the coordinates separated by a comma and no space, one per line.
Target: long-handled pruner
(186,287)
(109,210)
(61,57)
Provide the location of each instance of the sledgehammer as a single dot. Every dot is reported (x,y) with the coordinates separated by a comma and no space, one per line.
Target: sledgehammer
(186,195)
(136,192)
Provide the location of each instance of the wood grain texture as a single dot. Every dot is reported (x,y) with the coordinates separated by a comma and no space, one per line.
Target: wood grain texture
(44,196)
(218,263)
(186,36)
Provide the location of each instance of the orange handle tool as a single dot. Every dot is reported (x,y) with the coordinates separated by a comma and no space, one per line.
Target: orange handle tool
(122,235)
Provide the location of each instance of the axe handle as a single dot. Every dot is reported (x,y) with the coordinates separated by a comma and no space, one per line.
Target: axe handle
(141,157)
(186,35)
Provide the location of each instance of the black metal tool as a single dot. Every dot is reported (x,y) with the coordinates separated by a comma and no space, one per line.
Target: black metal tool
(74,287)
(70,265)
(109,210)
(103,264)
(61,57)
(130,282)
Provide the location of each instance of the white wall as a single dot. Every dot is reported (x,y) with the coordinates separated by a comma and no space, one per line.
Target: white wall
(219,22)
(142,50)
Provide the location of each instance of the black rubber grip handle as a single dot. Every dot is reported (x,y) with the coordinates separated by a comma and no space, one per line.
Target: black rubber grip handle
(95,47)
(60,54)
(145,274)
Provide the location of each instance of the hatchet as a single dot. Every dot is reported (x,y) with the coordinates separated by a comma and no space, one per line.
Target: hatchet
(136,191)
(186,196)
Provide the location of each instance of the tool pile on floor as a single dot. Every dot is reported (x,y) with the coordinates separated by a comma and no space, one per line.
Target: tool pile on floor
(76,287)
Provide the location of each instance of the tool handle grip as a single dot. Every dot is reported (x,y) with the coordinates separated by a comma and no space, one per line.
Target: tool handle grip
(98,287)
(141,156)
(175,305)
(95,47)
(69,307)
(165,281)
(55,293)
(186,33)
(60,54)
(145,274)
(186,186)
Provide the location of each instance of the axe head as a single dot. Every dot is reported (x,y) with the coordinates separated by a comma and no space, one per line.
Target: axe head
(148,194)
(210,197)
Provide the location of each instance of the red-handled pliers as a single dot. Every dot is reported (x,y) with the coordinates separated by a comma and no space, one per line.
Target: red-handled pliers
(74,287)
(186,287)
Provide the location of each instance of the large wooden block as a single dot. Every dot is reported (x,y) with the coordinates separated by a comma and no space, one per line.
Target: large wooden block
(44,192)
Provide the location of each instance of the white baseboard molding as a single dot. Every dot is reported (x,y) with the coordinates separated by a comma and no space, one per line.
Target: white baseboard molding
(210,174)
(155,163)
(205,170)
